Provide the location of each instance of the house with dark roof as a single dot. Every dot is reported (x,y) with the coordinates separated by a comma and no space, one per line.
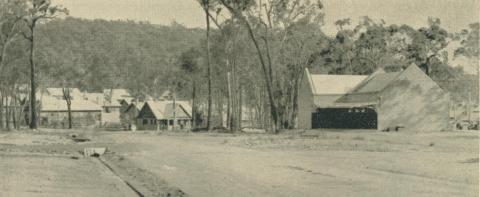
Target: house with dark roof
(407,99)
(129,115)
(164,115)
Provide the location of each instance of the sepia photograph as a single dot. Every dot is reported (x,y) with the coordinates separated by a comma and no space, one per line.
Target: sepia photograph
(239,98)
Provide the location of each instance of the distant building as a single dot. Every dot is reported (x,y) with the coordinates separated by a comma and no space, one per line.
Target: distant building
(130,114)
(465,112)
(95,97)
(112,105)
(54,113)
(408,99)
(160,115)
(58,93)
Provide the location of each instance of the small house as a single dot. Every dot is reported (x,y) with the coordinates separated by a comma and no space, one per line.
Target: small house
(164,115)
(130,114)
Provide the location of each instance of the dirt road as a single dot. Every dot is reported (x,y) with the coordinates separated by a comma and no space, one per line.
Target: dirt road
(40,175)
(42,164)
(216,166)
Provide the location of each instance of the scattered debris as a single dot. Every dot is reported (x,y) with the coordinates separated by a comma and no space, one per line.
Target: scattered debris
(94,152)
(81,139)
(77,138)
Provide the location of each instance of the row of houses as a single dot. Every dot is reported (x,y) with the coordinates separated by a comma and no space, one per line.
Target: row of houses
(407,99)
(113,107)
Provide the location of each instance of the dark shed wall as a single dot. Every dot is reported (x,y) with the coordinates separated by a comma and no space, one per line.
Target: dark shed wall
(414,101)
(345,118)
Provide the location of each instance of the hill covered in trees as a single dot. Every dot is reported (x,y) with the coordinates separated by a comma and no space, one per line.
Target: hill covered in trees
(97,54)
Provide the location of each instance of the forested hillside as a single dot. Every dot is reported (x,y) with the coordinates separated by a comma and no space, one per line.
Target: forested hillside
(101,54)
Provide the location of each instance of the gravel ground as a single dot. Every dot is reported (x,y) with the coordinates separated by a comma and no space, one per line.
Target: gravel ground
(295,163)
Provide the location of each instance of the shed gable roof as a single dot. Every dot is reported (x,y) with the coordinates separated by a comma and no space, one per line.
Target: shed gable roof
(376,82)
(333,84)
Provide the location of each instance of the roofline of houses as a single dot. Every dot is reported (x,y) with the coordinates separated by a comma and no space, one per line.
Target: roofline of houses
(83,110)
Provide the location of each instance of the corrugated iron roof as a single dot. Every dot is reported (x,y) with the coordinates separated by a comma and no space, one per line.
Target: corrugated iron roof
(138,105)
(377,83)
(164,109)
(50,103)
(333,84)
(97,98)
(58,92)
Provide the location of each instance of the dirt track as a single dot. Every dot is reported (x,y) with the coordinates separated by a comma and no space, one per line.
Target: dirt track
(41,175)
(317,163)
(219,166)
(50,164)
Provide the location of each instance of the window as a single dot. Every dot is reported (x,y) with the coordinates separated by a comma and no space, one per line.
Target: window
(145,121)
(107,110)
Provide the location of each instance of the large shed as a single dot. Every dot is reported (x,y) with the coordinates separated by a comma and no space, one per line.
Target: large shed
(407,99)
(319,92)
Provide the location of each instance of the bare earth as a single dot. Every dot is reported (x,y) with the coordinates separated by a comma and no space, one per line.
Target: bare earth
(313,163)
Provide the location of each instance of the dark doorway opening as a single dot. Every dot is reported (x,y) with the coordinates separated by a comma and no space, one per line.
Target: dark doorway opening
(344,118)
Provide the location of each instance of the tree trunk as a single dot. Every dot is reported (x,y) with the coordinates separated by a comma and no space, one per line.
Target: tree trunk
(7,112)
(1,109)
(68,99)
(240,103)
(21,114)
(174,111)
(267,78)
(219,107)
(209,70)
(69,108)
(229,104)
(194,106)
(294,110)
(33,85)
(14,113)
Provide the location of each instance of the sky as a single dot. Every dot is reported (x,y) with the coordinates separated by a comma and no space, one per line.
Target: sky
(454,14)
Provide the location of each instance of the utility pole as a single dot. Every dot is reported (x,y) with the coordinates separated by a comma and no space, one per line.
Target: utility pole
(174,111)
(229,110)
(469,106)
